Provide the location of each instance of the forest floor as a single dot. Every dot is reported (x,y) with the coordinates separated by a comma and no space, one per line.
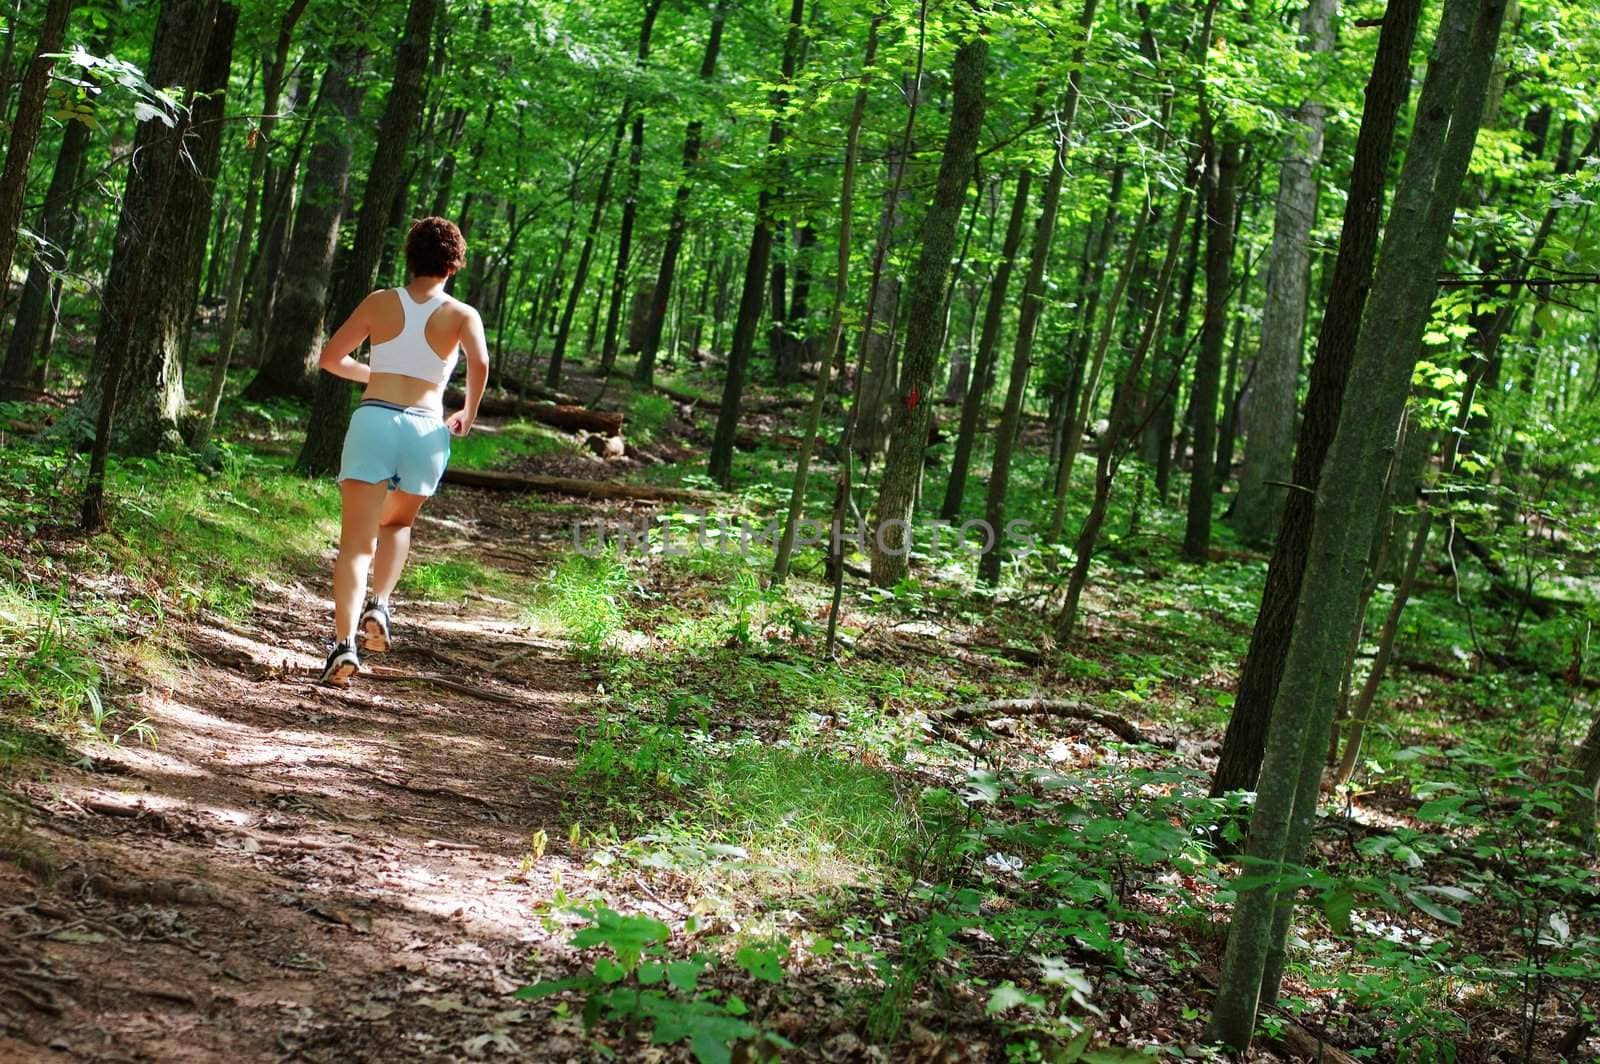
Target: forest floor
(207,856)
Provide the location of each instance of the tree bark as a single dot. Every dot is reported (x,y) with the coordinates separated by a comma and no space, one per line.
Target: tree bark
(330,407)
(841,289)
(630,202)
(290,355)
(179,48)
(158,206)
(644,371)
(1239,763)
(1348,501)
(1033,295)
(272,86)
(1269,448)
(977,392)
(1221,181)
(25,132)
(58,224)
(580,275)
(890,543)
(1121,425)
(755,273)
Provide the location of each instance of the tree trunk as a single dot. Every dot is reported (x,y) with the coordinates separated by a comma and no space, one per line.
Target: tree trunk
(977,396)
(153,228)
(883,299)
(630,202)
(290,360)
(644,371)
(58,224)
(25,132)
(1348,500)
(1269,448)
(795,344)
(271,84)
(179,48)
(755,272)
(330,407)
(1240,760)
(206,157)
(890,544)
(1033,295)
(580,275)
(1221,180)
(841,289)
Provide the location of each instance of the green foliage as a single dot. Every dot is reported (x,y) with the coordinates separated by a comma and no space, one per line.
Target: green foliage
(641,984)
(586,597)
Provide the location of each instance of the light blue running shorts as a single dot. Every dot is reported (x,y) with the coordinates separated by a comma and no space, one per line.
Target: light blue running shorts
(406,446)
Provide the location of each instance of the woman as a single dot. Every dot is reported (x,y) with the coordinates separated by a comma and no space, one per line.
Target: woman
(399,439)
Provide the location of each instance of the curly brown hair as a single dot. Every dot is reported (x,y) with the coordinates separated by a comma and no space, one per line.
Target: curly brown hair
(435,248)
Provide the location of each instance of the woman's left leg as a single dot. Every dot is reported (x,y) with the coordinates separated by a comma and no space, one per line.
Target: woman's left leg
(394,541)
(362,511)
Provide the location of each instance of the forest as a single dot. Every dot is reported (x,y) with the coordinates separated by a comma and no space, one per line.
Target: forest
(1030,532)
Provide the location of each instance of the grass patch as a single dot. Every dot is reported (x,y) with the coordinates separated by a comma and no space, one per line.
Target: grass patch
(488,448)
(648,412)
(585,598)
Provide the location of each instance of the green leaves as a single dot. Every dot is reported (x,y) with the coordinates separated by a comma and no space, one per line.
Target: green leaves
(642,982)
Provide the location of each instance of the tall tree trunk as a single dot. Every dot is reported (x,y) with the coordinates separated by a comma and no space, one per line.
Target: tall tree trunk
(1221,181)
(177,52)
(580,275)
(330,406)
(290,360)
(755,271)
(271,84)
(630,202)
(25,132)
(206,155)
(58,224)
(149,377)
(1158,440)
(841,289)
(1120,426)
(1239,762)
(796,341)
(977,396)
(890,544)
(883,302)
(1028,316)
(1348,502)
(1269,448)
(644,371)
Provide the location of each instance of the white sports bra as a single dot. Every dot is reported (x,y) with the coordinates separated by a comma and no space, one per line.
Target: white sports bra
(409,354)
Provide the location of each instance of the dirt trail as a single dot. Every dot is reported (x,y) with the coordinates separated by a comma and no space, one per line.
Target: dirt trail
(297,873)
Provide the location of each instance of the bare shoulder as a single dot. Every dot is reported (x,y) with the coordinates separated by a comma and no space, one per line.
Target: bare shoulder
(466,313)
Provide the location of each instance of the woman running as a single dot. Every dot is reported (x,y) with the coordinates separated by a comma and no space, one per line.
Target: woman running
(399,439)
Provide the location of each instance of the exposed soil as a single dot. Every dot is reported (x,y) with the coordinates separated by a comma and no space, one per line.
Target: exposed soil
(300,873)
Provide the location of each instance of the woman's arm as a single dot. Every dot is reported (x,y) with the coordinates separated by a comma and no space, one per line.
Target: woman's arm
(477,348)
(335,357)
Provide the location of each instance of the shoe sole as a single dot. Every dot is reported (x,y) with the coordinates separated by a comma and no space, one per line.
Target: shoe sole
(340,676)
(373,639)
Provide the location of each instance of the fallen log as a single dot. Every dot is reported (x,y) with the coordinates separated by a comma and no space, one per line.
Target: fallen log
(590,489)
(557,415)
(1051,707)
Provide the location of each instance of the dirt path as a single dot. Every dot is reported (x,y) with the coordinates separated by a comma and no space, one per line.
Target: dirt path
(297,873)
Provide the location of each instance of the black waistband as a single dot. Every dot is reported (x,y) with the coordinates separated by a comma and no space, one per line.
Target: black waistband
(385,404)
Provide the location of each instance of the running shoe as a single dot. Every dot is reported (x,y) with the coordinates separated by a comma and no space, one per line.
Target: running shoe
(341,665)
(374,627)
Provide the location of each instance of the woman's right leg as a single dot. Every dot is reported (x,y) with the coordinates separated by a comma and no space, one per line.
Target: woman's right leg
(358,538)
